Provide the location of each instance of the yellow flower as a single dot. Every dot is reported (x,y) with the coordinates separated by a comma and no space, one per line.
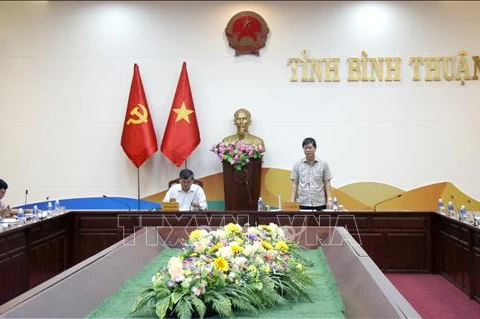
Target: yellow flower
(237,249)
(233,228)
(266,245)
(266,227)
(214,248)
(221,264)
(281,246)
(266,268)
(300,267)
(252,269)
(196,234)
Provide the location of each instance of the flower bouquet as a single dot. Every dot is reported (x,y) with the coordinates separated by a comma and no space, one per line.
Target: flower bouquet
(238,154)
(228,269)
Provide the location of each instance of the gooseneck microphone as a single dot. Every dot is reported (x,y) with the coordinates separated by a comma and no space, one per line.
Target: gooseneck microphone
(385,200)
(26,195)
(453,201)
(118,201)
(193,198)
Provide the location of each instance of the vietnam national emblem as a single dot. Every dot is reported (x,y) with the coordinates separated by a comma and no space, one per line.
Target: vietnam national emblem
(247,33)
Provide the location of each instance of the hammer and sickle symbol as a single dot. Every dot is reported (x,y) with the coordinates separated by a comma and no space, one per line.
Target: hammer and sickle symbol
(140,117)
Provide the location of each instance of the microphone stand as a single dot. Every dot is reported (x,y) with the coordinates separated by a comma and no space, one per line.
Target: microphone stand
(384,201)
(117,201)
(193,198)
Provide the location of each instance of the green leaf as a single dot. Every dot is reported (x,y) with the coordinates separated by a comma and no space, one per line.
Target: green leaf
(258,285)
(184,309)
(199,306)
(176,296)
(162,306)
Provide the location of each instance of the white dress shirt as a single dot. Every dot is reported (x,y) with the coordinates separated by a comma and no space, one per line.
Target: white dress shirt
(185,199)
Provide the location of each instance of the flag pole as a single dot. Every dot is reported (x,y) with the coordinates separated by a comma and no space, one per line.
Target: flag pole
(185,163)
(138,188)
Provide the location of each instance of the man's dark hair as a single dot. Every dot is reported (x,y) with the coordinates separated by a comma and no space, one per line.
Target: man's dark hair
(309,140)
(186,173)
(3,184)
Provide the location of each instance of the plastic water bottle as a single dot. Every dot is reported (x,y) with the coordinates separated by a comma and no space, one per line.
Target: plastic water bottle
(451,211)
(335,204)
(441,209)
(35,213)
(260,205)
(462,214)
(57,205)
(49,209)
(21,216)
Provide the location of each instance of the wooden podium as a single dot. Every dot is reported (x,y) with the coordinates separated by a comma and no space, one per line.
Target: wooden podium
(242,188)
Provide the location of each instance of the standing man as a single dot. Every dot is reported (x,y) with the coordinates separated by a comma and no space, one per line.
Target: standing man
(189,196)
(4,209)
(311,179)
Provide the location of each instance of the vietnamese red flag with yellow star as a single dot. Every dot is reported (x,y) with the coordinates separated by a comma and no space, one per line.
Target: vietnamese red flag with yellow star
(181,133)
(138,137)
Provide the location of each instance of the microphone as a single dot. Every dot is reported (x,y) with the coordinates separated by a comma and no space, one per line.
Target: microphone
(453,201)
(193,198)
(385,200)
(118,201)
(26,194)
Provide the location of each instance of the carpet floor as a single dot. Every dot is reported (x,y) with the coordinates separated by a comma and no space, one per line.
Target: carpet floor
(434,297)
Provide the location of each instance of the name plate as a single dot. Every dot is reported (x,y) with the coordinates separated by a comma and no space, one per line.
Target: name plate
(290,206)
(170,206)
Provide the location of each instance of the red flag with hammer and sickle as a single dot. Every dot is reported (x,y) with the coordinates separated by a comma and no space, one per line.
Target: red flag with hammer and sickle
(181,135)
(138,137)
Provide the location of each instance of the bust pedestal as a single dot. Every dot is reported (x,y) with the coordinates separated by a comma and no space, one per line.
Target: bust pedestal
(242,188)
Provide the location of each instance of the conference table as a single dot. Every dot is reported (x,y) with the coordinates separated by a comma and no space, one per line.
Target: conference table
(397,241)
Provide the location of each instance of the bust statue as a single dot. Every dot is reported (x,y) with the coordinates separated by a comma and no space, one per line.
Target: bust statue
(242,119)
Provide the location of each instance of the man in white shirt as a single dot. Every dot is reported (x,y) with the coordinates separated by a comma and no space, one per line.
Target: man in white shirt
(189,196)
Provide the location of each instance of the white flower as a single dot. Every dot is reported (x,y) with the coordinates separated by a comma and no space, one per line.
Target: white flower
(200,246)
(239,263)
(232,275)
(175,269)
(225,252)
(252,249)
(281,233)
(219,233)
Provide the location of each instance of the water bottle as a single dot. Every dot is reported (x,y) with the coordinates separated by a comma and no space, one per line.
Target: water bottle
(57,205)
(35,213)
(49,209)
(260,205)
(451,211)
(441,209)
(462,214)
(21,216)
(335,204)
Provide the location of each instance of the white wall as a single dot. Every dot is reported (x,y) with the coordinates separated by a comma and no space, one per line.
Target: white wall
(66,67)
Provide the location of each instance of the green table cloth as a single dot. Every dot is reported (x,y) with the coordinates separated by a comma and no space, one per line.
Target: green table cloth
(327,302)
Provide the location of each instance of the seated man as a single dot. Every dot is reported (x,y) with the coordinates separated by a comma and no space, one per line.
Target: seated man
(4,209)
(188,195)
